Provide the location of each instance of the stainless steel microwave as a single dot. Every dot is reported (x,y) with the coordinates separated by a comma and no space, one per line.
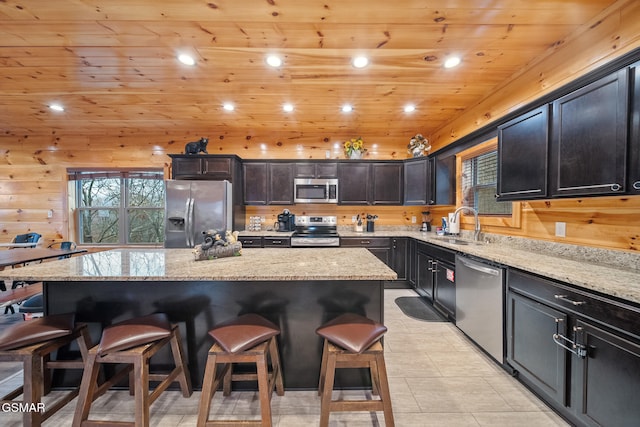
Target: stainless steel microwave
(315,190)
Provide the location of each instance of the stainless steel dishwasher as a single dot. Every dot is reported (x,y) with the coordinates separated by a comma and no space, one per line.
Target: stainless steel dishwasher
(480,304)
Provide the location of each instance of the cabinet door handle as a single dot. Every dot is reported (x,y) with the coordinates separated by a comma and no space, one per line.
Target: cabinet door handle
(364,242)
(636,185)
(616,187)
(567,299)
(276,242)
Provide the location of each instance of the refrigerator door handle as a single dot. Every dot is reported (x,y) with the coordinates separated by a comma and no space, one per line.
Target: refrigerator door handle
(189,228)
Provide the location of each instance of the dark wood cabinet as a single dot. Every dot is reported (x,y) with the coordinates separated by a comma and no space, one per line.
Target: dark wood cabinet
(391,251)
(203,167)
(353,181)
(370,183)
(400,257)
(267,183)
(418,182)
(578,350)
(634,132)
(255,180)
(589,139)
(444,288)
(280,184)
(444,179)
(424,274)
(271,242)
(317,169)
(250,241)
(522,156)
(540,362)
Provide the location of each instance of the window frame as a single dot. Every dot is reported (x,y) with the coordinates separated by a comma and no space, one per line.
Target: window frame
(493,220)
(76,176)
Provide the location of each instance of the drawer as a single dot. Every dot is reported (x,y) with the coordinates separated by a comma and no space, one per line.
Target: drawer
(251,241)
(365,242)
(284,242)
(600,308)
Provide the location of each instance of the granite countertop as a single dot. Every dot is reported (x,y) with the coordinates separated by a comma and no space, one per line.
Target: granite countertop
(277,264)
(614,273)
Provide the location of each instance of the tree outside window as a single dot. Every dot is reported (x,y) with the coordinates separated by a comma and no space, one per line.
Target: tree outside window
(120,207)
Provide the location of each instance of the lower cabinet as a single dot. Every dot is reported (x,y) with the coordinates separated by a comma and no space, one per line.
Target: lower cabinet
(579,351)
(265,242)
(434,272)
(392,251)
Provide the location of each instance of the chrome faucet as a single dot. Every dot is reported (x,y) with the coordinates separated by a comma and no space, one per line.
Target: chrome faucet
(476,234)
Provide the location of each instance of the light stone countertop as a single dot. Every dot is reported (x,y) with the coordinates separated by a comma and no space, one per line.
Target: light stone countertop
(615,273)
(273,264)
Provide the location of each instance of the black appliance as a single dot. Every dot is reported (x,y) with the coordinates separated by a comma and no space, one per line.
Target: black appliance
(286,221)
(315,232)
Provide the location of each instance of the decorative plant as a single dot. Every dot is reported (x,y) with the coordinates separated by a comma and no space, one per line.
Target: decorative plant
(354,147)
(418,145)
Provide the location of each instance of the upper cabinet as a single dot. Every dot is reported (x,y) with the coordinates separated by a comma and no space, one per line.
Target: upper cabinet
(417,182)
(370,183)
(318,169)
(522,156)
(634,132)
(267,183)
(589,138)
(203,167)
(443,186)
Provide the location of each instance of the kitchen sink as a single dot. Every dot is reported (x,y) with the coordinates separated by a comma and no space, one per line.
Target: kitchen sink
(456,241)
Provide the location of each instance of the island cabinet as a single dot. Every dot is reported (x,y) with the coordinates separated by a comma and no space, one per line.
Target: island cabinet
(434,276)
(316,170)
(418,182)
(213,167)
(267,183)
(370,183)
(392,251)
(589,138)
(578,350)
(634,132)
(522,156)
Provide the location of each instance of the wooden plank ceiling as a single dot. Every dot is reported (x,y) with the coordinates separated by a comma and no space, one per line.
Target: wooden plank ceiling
(112,63)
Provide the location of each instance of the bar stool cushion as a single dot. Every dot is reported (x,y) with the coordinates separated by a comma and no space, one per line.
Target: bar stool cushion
(243,332)
(352,332)
(37,330)
(134,332)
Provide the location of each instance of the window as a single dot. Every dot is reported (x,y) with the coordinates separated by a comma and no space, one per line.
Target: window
(479,184)
(477,172)
(119,207)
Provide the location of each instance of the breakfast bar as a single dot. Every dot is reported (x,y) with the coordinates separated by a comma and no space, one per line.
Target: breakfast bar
(296,289)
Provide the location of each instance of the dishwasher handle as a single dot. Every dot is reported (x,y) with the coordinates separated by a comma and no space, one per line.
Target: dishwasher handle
(479,267)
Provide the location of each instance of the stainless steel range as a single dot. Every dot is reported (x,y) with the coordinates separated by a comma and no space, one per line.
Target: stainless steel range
(315,231)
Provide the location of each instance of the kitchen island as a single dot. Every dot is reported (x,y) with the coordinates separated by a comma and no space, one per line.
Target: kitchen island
(296,289)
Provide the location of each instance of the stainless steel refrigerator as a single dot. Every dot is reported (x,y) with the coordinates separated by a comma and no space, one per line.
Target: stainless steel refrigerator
(192,207)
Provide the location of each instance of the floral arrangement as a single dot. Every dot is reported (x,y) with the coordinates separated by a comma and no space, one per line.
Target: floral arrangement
(354,148)
(418,145)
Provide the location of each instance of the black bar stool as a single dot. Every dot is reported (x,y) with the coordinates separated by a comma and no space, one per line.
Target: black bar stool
(353,341)
(32,342)
(249,338)
(132,342)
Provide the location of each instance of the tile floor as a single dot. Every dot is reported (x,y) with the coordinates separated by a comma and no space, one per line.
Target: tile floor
(437,378)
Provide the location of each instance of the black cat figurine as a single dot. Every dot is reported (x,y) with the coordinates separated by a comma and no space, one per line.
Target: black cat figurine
(197,146)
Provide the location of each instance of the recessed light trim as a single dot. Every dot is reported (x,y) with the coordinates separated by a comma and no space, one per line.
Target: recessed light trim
(452,61)
(274,61)
(228,106)
(409,108)
(287,107)
(360,61)
(56,107)
(347,108)
(186,59)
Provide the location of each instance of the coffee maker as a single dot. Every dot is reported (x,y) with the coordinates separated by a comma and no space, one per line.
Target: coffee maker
(286,221)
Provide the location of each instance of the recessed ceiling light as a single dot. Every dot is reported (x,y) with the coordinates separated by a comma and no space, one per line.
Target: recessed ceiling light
(347,108)
(409,108)
(287,107)
(274,61)
(228,106)
(56,107)
(452,61)
(360,61)
(186,59)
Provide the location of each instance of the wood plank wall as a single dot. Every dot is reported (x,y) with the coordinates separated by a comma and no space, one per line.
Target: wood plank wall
(33,166)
